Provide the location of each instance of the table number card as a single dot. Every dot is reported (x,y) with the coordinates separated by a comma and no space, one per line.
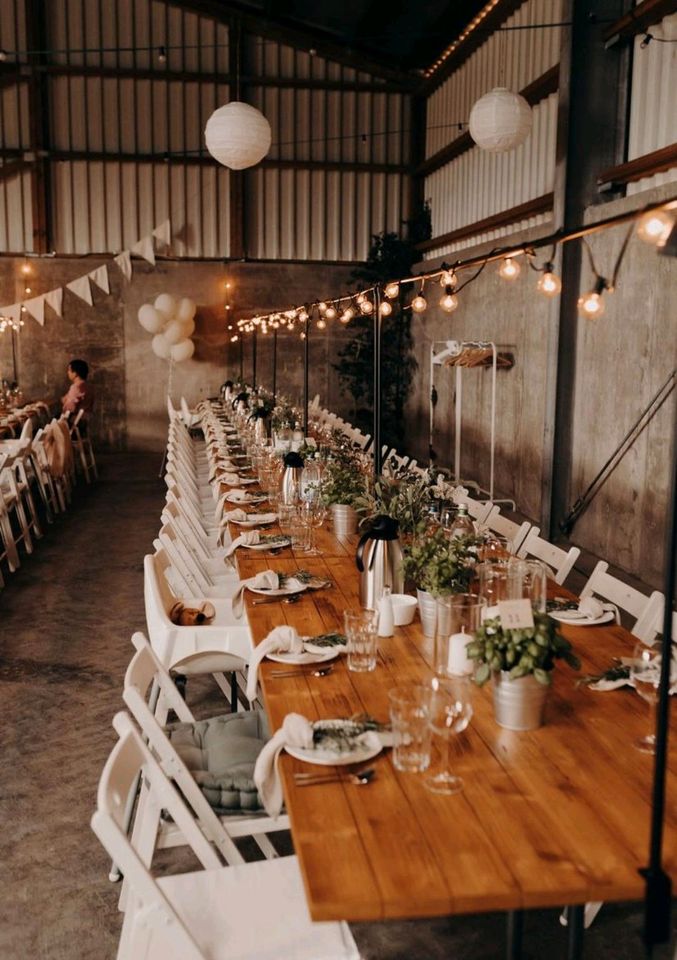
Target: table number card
(516,614)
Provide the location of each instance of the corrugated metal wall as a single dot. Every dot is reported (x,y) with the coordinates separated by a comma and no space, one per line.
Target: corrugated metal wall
(102,204)
(653,114)
(478,184)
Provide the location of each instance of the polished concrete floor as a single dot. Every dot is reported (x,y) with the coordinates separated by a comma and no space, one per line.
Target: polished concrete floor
(65,622)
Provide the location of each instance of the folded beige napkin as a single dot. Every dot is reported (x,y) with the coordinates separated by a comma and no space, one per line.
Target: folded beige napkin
(267,579)
(284,639)
(246,539)
(295,731)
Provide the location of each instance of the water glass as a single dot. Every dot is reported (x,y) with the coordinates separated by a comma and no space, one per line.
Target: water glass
(528,580)
(361,629)
(412,733)
(494,582)
(450,713)
(645,673)
(458,617)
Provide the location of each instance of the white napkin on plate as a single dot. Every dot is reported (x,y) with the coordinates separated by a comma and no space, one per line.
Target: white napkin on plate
(285,639)
(295,731)
(267,579)
(221,506)
(237,514)
(246,539)
(238,494)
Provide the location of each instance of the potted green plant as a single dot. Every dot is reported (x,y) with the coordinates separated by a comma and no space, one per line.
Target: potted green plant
(343,487)
(438,567)
(403,495)
(520,662)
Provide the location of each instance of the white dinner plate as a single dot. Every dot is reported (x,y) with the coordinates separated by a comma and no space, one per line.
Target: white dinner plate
(278,591)
(254,520)
(335,758)
(579,621)
(250,498)
(294,659)
(267,545)
(311,648)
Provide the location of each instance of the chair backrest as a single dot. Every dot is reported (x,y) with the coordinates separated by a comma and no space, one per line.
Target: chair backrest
(27,430)
(516,532)
(479,510)
(560,561)
(644,609)
(129,758)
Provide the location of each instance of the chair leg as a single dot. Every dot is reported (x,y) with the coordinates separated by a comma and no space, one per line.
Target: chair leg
(7,533)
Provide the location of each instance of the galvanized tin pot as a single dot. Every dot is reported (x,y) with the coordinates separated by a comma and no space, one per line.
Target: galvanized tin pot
(518,704)
(344,519)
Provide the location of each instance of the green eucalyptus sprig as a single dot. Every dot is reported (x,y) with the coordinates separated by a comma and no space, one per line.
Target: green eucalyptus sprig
(403,495)
(530,650)
(441,566)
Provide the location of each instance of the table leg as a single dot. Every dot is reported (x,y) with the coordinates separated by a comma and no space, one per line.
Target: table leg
(515,920)
(575,931)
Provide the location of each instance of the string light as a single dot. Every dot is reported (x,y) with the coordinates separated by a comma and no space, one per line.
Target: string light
(234,338)
(549,284)
(28,290)
(509,269)
(386,308)
(655,227)
(302,315)
(322,307)
(347,315)
(26,269)
(303,334)
(591,305)
(162,55)
(392,290)
(321,324)
(449,301)
(331,312)
(449,279)
(366,306)
(419,304)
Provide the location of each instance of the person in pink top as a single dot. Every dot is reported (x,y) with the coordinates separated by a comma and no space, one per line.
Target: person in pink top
(80,395)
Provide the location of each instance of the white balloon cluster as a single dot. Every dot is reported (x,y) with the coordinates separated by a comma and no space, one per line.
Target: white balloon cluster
(171,321)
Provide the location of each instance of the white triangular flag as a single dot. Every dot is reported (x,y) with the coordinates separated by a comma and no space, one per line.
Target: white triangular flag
(163,233)
(13,312)
(36,308)
(100,278)
(144,248)
(81,288)
(54,299)
(124,262)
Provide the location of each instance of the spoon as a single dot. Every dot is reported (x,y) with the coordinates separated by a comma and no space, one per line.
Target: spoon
(293,599)
(321,672)
(310,779)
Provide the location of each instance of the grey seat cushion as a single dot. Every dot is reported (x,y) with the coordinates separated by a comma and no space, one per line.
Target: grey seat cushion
(221,753)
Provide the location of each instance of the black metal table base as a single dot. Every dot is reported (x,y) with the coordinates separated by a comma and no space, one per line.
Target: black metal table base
(575,930)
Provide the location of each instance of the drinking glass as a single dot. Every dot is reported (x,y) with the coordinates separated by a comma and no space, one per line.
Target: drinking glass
(412,733)
(458,617)
(528,580)
(313,513)
(361,628)
(494,548)
(645,672)
(287,519)
(450,712)
(493,582)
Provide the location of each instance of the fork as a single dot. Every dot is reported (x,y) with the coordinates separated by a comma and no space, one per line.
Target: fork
(360,778)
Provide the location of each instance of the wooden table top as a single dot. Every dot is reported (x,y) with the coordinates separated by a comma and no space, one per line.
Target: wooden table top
(555,816)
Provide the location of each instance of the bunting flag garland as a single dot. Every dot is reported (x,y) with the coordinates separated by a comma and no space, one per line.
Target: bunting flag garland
(81,288)
(54,299)
(163,233)
(36,307)
(144,248)
(100,278)
(124,262)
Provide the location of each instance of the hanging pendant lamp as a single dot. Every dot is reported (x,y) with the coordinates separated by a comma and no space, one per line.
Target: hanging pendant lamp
(238,135)
(500,120)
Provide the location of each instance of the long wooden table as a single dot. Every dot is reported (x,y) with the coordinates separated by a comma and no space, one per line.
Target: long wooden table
(555,816)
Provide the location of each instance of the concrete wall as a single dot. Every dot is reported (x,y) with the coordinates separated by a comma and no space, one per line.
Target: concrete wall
(131,382)
(621,360)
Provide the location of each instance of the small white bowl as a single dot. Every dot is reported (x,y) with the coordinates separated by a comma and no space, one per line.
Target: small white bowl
(404,608)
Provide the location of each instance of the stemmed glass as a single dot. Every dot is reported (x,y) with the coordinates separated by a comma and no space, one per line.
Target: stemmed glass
(450,712)
(645,673)
(312,513)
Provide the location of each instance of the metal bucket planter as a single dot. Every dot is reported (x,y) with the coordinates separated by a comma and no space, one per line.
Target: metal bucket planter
(344,519)
(427,608)
(518,704)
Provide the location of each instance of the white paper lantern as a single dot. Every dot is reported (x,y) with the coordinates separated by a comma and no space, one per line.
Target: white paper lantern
(238,135)
(165,304)
(500,120)
(160,346)
(182,351)
(185,309)
(150,319)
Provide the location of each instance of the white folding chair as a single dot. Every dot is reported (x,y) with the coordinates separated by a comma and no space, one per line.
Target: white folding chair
(513,531)
(82,445)
(479,510)
(644,609)
(250,911)
(560,561)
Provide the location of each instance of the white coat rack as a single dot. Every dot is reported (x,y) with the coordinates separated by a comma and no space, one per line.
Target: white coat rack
(460,354)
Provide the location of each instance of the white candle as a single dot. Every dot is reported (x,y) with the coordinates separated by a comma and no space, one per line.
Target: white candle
(459,663)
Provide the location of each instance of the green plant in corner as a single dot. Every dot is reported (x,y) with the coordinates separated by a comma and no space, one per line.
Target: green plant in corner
(531,650)
(441,566)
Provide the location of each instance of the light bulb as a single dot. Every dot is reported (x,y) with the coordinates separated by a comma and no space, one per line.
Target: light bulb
(283,321)
(385,309)
(291,314)
(448,279)
(290,327)
(366,306)
(549,283)
(347,315)
(419,304)
(331,313)
(591,305)
(361,298)
(303,334)
(655,227)
(227,284)
(26,269)
(27,290)
(234,338)
(162,55)
(392,290)
(449,301)
(321,324)
(509,269)
(322,307)
(303,316)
